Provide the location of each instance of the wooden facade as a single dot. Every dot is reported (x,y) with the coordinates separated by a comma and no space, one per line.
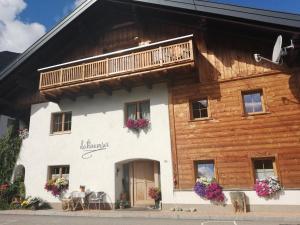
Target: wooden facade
(229,137)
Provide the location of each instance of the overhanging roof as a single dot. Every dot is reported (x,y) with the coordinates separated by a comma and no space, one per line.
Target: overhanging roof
(195,6)
(240,12)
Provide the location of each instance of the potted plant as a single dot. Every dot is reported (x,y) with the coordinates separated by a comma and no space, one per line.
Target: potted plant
(155,194)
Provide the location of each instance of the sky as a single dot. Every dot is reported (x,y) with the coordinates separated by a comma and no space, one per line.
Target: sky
(22,22)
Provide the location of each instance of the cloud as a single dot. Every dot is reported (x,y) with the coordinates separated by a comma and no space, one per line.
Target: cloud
(16,35)
(78,2)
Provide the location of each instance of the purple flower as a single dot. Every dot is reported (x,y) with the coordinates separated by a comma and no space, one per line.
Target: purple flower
(200,189)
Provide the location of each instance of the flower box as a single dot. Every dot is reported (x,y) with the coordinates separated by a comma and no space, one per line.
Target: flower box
(267,187)
(137,124)
(209,189)
(57,186)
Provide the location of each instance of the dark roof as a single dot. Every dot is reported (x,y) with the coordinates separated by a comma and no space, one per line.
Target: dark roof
(292,21)
(240,12)
(6,58)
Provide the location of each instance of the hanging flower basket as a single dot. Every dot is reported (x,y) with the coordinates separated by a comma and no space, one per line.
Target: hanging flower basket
(267,187)
(57,186)
(137,124)
(209,189)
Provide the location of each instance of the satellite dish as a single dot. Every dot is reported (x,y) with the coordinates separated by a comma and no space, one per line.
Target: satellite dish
(278,52)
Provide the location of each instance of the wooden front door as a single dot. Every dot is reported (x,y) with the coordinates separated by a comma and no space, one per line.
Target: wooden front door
(142,179)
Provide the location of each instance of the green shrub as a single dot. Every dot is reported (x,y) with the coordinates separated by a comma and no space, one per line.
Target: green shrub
(10,145)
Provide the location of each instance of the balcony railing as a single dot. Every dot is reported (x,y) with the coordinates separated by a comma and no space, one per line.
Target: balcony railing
(141,59)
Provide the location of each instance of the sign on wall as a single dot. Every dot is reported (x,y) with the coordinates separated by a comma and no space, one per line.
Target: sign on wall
(89,148)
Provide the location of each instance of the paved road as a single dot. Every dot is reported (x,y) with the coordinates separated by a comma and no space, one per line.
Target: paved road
(61,220)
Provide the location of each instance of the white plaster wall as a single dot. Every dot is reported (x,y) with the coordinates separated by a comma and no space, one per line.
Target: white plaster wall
(287,197)
(98,119)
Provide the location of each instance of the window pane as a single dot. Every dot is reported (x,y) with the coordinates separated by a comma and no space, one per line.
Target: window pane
(252,102)
(206,169)
(65,172)
(196,114)
(264,168)
(68,121)
(131,111)
(204,113)
(199,108)
(57,122)
(145,110)
(59,171)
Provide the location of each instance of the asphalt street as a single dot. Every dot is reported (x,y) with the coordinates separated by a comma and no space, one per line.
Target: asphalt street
(69,220)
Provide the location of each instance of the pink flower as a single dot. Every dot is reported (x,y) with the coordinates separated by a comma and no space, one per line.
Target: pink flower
(137,124)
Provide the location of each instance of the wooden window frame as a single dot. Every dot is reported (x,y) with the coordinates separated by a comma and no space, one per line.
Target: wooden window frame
(137,109)
(62,121)
(191,109)
(60,170)
(196,162)
(274,163)
(262,99)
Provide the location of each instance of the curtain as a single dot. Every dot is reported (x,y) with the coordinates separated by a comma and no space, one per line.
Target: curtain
(145,110)
(131,111)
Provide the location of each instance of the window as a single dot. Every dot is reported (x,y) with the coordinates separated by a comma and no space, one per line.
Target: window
(61,122)
(205,169)
(252,102)
(199,109)
(58,172)
(264,168)
(138,110)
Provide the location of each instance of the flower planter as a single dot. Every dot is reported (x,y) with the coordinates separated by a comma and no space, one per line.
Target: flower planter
(138,124)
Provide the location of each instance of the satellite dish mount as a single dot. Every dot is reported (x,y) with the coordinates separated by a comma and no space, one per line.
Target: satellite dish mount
(278,52)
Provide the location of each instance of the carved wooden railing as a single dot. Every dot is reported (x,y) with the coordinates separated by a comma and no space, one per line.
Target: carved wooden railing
(155,57)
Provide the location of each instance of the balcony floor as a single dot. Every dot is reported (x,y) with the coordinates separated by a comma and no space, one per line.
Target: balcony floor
(126,82)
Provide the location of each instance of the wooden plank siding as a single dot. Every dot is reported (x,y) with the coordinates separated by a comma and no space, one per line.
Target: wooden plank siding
(228,136)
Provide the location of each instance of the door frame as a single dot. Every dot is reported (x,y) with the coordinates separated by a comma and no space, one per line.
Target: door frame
(156,170)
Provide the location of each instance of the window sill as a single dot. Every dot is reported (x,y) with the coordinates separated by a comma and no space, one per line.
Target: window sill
(60,133)
(255,114)
(201,119)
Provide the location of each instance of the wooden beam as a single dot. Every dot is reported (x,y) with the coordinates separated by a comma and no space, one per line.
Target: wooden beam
(87,92)
(125,85)
(106,88)
(69,95)
(147,82)
(51,98)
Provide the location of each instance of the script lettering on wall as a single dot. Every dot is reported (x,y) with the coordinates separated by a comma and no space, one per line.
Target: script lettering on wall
(89,148)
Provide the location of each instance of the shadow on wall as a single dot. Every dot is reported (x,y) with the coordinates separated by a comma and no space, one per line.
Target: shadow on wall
(294,84)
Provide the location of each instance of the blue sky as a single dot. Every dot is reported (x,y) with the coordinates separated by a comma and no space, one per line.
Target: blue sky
(46,12)
(22,22)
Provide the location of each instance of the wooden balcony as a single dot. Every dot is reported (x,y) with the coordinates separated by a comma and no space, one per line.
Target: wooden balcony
(152,58)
